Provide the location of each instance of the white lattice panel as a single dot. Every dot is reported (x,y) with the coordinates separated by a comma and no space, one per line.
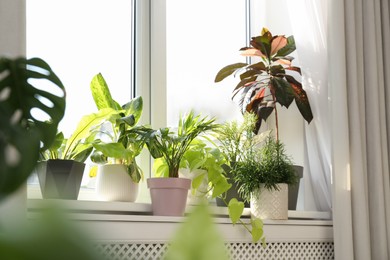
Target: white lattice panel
(238,251)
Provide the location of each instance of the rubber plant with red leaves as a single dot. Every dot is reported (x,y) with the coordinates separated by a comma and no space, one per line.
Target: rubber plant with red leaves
(269,81)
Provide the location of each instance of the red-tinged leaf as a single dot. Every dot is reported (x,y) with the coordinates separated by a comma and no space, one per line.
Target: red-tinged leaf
(228,70)
(257,99)
(247,83)
(301,98)
(293,68)
(283,62)
(277,43)
(289,48)
(252,52)
(262,43)
(284,93)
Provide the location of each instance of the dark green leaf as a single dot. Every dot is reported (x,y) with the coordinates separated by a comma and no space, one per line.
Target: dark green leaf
(20,132)
(228,70)
(283,91)
(301,98)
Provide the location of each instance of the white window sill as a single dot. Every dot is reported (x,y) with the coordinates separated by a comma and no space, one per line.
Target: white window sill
(128,208)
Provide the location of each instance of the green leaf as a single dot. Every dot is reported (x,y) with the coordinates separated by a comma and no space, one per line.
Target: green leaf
(134,108)
(301,98)
(21,133)
(228,70)
(220,187)
(83,128)
(235,208)
(283,91)
(257,229)
(101,93)
(113,150)
(197,238)
(197,181)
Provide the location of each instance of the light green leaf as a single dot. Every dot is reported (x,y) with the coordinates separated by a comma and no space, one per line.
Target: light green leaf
(113,150)
(134,107)
(257,229)
(235,209)
(83,128)
(101,93)
(220,187)
(197,181)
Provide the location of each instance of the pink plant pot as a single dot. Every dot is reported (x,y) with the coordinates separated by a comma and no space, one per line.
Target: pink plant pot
(169,195)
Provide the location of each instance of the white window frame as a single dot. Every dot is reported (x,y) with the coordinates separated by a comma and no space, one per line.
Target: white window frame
(149,71)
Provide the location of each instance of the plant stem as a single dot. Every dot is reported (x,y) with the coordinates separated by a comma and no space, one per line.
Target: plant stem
(276,120)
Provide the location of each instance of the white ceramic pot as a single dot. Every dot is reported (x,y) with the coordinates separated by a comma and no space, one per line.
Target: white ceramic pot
(266,204)
(114,184)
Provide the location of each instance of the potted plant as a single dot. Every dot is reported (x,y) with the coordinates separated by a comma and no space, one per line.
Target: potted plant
(117,147)
(61,166)
(269,82)
(204,166)
(169,194)
(264,176)
(21,133)
(234,140)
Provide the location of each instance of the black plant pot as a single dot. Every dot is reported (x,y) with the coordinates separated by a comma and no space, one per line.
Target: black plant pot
(293,189)
(232,192)
(60,179)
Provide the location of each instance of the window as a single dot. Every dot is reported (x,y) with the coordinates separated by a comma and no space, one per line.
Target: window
(179,47)
(80,39)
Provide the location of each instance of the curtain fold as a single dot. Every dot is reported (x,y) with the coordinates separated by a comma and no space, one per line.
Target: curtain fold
(359,97)
(310,33)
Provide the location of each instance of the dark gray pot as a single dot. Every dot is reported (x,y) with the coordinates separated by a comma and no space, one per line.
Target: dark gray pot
(293,189)
(60,179)
(232,192)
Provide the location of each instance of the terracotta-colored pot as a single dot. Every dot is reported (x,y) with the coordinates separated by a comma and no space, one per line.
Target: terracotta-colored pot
(168,195)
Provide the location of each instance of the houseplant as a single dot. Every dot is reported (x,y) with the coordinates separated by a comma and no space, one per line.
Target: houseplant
(269,81)
(116,147)
(204,166)
(22,93)
(234,140)
(263,176)
(61,165)
(169,194)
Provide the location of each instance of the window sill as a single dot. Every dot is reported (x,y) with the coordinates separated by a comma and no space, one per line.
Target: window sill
(133,223)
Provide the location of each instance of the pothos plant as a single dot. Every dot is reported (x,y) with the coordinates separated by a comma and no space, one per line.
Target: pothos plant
(117,143)
(269,81)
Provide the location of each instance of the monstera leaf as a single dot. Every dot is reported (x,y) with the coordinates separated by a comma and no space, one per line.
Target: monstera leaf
(27,88)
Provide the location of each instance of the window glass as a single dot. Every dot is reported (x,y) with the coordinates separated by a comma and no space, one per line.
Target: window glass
(80,38)
(202,37)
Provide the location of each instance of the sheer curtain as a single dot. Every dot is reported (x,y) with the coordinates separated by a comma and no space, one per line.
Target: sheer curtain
(359,71)
(308,23)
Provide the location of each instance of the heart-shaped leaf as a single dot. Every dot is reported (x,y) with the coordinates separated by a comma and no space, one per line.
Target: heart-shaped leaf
(235,209)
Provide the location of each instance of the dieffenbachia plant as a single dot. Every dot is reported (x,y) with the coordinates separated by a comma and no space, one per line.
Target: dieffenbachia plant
(269,81)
